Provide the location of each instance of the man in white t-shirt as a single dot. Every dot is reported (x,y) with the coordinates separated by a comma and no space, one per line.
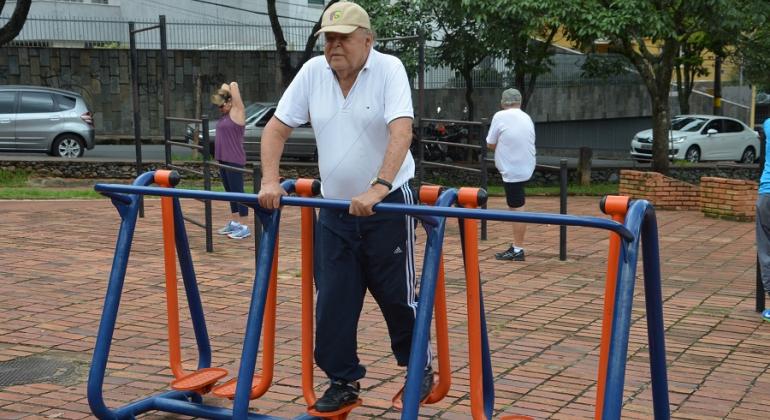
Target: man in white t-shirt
(359,103)
(512,137)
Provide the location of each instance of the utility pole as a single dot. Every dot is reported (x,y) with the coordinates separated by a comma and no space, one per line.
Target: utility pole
(718,85)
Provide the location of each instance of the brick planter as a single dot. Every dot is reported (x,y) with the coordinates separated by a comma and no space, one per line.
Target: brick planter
(732,199)
(662,191)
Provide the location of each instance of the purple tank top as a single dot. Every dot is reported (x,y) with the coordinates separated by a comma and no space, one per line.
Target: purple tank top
(228,146)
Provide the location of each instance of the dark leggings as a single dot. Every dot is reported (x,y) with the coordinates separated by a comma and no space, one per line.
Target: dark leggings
(233,182)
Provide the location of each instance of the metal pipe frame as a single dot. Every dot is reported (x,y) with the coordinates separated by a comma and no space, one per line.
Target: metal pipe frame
(639,230)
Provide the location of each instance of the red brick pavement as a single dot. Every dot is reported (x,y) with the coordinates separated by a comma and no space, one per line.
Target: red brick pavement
(543,316)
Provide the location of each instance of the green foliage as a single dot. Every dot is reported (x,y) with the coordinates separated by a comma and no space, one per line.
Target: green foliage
(490,76)
(594,189)
(401,18)
(753,45)
(32,193)
(15,178)
(604,66)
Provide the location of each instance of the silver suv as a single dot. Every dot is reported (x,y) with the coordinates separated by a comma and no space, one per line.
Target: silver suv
(42,119)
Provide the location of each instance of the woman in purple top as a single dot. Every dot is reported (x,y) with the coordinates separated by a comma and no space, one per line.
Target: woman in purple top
(229,151)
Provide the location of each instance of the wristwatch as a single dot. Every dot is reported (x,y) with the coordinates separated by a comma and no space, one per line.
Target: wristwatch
(378,180)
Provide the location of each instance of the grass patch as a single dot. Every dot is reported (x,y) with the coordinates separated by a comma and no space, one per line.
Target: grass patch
(37,193)
(16,187)
(13,178)
(595,189)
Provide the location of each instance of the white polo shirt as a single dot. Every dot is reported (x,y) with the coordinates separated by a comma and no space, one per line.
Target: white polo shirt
(513,131)
(351,132)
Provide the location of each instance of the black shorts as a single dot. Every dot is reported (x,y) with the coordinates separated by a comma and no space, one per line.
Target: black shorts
(514,193)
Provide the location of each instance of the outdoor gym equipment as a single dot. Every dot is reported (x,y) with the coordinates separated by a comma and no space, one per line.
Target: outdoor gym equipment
(639,222)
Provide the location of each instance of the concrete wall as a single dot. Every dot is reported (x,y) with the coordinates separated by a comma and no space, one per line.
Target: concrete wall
(102,76)
(601,116)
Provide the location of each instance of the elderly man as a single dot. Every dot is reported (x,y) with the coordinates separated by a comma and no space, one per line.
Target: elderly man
(360,105)
(512,137)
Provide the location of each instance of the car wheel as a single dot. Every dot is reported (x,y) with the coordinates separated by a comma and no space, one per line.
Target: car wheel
(749,155)
(68,146)
(692,154)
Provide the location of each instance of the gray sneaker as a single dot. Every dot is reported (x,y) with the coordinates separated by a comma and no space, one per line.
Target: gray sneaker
(243,231)
(510,255)
(229,228)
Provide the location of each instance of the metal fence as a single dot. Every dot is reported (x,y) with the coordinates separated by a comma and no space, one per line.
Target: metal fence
(182,35)
(57,32)
(567,69)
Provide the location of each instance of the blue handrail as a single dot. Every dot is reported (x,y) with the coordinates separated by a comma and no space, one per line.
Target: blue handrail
(418,211)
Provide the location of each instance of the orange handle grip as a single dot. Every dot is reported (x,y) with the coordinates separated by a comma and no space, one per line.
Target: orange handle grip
(429,193)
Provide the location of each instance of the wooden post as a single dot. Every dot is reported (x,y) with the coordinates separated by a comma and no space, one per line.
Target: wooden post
(584,166)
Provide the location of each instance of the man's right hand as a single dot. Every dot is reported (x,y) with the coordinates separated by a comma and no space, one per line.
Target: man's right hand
(270,194)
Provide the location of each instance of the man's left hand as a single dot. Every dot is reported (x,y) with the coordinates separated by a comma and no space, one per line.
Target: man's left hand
(361,205)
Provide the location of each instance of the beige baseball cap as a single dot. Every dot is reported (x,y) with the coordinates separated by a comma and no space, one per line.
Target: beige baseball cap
(344,17)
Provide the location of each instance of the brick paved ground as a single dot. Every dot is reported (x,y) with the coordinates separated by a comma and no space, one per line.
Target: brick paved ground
(543,316)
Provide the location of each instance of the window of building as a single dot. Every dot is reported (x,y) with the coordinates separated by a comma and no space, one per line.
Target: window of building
(315,2)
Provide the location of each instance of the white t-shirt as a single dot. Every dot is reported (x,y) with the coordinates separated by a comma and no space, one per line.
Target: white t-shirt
(351,132)
(513,131)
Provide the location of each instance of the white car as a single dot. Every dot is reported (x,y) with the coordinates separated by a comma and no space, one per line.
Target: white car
(702,137)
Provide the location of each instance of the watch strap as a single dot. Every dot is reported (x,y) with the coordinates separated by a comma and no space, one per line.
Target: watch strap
(381,181)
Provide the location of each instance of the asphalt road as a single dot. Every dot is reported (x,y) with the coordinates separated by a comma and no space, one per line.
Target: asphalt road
(156,152)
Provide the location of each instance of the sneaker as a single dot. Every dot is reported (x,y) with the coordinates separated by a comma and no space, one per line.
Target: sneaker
(243,231)
(339,394)
(427,383)
(229,228)
(766,315)
(511,255)
(500,254)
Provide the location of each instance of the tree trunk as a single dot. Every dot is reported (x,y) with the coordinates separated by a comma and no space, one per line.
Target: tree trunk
(15,23)
(284,63)
(519,80)
(660,133)
(288,71)
(468,76)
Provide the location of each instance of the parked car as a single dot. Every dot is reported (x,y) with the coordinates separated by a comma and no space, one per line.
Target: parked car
(300,145)
(55,121)
(702,137)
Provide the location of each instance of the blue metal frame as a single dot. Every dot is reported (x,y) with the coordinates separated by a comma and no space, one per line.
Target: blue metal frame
(640,223)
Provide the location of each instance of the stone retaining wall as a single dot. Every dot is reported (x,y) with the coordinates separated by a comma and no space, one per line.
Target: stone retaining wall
(98,169)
